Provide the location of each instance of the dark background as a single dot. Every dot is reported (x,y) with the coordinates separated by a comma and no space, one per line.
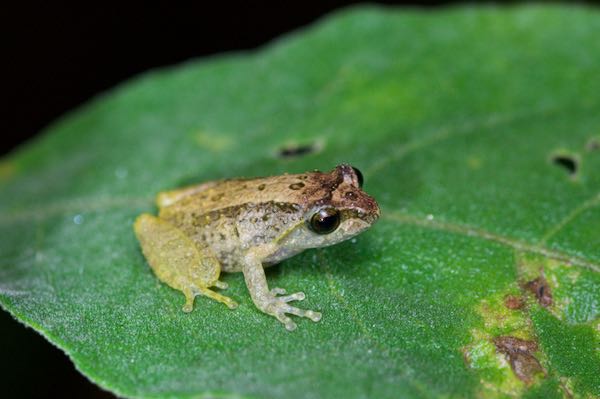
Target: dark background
(55,58)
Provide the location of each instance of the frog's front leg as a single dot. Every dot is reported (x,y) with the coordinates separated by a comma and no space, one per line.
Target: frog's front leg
(267,300)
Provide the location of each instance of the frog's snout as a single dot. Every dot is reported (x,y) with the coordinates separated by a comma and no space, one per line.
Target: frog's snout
(373,215)
(372,210)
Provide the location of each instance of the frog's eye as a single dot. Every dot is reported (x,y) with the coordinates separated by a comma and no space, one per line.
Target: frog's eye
(325,220)
(359,176)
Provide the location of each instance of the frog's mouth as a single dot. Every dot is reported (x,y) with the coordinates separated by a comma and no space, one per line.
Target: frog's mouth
(358,214)
(354,227)
(372,217)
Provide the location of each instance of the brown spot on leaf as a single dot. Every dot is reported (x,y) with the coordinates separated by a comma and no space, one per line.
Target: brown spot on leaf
(513,302)
(261,187)
(519,353)
(296,186)
(512,344)
(540,288)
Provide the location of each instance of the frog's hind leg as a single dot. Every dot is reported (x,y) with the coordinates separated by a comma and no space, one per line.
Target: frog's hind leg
(178,262)
(191,293)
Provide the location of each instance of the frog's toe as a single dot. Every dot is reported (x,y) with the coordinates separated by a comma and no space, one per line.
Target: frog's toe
(221,285)
(231,304)
(309,314)
(189,300)
(279,308)
(287,322)
(297,296)
(278,291)
(314,316)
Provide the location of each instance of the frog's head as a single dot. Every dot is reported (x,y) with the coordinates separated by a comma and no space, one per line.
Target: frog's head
(336,210)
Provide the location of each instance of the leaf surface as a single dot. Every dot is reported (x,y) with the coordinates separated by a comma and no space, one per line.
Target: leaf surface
(477,131)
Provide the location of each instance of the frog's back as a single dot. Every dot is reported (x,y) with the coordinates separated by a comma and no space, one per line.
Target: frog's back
(231,215)
(213,196)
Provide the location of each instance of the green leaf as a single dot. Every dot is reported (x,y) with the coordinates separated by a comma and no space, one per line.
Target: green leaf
(477,130)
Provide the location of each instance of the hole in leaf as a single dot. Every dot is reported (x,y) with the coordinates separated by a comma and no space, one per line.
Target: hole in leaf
(568,162)
(298,150)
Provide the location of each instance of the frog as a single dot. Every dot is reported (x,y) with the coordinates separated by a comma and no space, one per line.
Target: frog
(248,224)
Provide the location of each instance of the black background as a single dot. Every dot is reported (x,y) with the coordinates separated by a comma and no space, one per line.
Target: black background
(54,58)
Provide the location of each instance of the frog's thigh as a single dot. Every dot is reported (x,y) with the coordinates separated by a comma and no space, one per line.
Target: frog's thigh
(177,261)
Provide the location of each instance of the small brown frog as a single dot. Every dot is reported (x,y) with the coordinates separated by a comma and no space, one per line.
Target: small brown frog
(244,225)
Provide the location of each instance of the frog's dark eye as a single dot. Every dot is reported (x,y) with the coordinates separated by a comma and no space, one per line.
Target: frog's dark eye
(359,176)
(325,221)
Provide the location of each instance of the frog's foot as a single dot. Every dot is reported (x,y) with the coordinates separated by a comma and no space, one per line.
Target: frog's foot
(278,306)
(268,301)
(191,293)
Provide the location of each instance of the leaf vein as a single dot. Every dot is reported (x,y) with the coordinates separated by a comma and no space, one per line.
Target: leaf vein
(471,126)
(489,236)
(589,203)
